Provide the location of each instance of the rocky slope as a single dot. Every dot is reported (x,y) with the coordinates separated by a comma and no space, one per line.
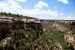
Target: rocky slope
(67,27)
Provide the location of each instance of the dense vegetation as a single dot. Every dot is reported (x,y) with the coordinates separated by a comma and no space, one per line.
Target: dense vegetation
(28,39)
(58,37)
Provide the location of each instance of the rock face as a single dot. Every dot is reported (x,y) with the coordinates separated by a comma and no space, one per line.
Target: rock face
(10,23)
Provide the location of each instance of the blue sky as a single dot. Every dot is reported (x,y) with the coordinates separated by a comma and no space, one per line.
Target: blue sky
(42,9)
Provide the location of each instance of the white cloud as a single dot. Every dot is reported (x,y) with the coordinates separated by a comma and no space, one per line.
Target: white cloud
(70,17)
(11,6)
(64,1)
(41,4)
(20,0)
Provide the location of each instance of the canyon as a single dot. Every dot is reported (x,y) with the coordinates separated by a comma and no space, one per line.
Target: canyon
(65,27)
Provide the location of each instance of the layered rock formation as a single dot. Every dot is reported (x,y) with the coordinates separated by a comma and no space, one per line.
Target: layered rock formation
(8,24)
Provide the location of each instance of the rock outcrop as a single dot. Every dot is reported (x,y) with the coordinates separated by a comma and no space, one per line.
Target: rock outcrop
(8,24)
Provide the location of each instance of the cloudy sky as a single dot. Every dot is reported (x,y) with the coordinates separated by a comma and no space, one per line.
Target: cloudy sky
(42,9)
